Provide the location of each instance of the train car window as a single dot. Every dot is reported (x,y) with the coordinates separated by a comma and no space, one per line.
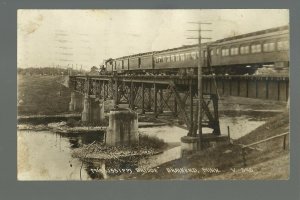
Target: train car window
(172,58)
(234,51)
(255,48)
(217,51)
(211,52)
(282,45)
(188,56)
(168,58)
(177,57)
(194,55)
(269,47)
(244,49)
(191,56)
(225,52)
(205,54)
(182,57)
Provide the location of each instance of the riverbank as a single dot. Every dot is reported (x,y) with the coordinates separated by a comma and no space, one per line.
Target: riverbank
(226,161)
(42,95)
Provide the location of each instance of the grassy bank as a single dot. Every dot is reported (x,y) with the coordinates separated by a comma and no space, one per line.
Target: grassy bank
(269,161)
(42,95)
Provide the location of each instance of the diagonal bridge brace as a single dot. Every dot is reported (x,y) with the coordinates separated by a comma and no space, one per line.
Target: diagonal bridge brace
(213,119)
(180,105)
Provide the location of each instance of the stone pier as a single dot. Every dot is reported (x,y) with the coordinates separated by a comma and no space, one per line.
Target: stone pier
(76,102)
(189,144)
(86,112)
(101,110)
(93,110)
(123,127)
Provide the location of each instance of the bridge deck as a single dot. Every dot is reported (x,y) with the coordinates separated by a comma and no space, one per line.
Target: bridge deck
(166,79)
(274,87)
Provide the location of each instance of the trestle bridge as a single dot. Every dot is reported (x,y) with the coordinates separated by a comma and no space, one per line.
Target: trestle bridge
(178,94)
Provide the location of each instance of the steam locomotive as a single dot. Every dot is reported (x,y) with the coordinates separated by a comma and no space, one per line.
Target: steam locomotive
(242,54)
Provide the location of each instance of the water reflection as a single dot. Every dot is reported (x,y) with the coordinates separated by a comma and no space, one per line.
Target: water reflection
(44,155)
(243,122)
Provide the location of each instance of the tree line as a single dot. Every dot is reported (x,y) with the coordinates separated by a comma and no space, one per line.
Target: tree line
(49,71)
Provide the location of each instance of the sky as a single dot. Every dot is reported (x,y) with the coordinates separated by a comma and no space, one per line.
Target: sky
(84,38)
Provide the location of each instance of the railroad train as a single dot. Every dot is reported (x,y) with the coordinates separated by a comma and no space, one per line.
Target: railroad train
(242,54)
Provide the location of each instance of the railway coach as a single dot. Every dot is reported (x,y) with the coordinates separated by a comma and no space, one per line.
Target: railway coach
(242,54)
(246,53)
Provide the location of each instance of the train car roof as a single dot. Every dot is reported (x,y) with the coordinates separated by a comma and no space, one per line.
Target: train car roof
(271,30)
(228,39)
(134,55)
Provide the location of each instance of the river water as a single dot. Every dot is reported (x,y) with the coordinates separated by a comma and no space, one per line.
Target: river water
(44,155)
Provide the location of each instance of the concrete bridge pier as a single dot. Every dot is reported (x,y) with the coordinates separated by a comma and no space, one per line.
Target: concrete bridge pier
(93,110)
(76,102)
(86,112)
(123,127)
(71,104)
(189,144)
(101,110)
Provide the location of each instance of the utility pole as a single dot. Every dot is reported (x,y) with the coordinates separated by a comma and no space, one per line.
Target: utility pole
(200,98)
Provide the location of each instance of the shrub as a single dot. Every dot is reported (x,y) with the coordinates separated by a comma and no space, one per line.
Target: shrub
(72,123)
(151,142)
